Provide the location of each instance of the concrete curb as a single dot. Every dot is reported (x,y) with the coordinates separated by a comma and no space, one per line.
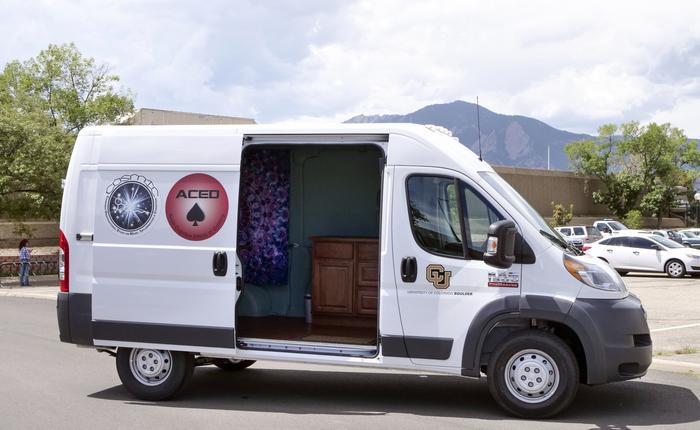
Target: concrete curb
(45,293)
(675,366)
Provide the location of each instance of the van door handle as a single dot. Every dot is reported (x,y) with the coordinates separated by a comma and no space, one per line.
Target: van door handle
(409,269)
(609,250)
(220,263)
(635,252)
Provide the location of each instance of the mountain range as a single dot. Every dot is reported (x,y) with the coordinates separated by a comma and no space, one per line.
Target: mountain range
(506,140)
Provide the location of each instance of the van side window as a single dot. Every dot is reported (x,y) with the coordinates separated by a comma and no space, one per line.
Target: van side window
(434,212)
(478,216)
(565,231)
(578,231)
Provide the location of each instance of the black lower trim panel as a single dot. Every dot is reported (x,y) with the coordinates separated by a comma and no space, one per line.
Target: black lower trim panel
(431,348)
(74,313)
(214,337)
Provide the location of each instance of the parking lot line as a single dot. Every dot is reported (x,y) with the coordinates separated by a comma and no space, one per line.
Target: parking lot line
(656,330)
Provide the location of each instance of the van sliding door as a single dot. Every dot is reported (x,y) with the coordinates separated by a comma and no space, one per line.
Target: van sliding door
(164,242)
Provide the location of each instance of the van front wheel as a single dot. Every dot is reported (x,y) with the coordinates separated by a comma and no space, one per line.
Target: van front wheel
(153,374)
(533,374)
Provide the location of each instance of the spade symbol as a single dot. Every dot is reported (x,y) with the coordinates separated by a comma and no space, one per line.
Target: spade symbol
(195,215)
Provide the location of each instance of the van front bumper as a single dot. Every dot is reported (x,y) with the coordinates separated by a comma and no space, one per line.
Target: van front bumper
(74,313)
(615,336)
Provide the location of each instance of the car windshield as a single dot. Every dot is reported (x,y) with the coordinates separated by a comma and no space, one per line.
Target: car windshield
(617,225)
(668,243)
(522,206)
(592,231)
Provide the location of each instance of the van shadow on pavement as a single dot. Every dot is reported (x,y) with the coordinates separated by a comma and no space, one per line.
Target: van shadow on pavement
(619,405)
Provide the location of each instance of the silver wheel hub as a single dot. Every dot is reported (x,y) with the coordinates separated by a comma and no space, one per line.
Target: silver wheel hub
(532,376)
(150,366)
(675,268)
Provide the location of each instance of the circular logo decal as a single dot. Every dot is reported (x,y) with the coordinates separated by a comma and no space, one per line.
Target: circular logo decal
(197,207)
(131,204)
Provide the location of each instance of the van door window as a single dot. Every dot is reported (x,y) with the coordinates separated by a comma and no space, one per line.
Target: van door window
(478,216)
(565,231)
(578,231)
(434,213)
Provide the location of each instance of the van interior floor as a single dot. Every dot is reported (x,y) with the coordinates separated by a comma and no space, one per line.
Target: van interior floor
(296,329)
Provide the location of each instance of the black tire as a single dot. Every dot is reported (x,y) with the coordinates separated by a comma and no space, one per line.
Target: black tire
(531,348)
(675,268)
(232,365)
(181,367)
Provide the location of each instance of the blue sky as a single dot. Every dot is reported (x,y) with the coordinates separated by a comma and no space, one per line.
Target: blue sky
(574,66)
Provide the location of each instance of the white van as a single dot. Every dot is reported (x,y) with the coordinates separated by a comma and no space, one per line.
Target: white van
(375,245)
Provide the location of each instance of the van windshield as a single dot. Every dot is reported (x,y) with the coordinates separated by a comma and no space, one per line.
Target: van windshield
(505,190)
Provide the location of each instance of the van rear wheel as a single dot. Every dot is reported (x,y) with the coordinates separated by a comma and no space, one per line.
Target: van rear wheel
(230,365)
(153,374)
(533,374)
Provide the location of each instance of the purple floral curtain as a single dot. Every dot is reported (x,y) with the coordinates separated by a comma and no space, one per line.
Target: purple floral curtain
(263,236)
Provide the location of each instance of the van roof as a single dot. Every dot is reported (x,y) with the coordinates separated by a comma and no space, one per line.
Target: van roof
(426,145)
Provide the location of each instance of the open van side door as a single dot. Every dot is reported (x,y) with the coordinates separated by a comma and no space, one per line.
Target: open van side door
(164,252)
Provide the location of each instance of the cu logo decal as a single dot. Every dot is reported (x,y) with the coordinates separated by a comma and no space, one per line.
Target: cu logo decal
(438,276)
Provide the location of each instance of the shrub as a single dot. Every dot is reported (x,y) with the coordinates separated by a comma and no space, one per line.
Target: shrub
(560,216)
(633,219)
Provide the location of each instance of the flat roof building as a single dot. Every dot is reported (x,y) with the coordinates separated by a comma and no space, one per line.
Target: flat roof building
(147,116)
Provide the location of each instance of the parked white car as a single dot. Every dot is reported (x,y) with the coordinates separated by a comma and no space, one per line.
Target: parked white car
(646,253)
(607,227)
(583,233)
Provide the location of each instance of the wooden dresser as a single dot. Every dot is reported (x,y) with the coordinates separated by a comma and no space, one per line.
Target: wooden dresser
(345,280)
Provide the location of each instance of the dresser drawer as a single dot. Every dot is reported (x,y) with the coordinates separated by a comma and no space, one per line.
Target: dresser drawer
(368,251)
(367,274)
(366,303)
(333,250)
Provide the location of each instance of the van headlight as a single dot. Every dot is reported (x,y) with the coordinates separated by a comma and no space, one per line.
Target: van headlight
(602,277)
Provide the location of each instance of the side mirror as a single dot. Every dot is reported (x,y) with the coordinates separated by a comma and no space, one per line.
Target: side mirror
(500,244)
(656,247)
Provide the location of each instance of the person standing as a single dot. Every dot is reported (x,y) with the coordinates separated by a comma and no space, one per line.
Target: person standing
(24,254)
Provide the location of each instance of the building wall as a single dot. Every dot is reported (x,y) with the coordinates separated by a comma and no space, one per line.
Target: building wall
(542,187)
(147,116)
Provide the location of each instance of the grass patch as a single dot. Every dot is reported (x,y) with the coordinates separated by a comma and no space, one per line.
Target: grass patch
(686,350)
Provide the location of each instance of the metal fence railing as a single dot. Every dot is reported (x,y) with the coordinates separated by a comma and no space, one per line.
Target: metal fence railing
(37,267)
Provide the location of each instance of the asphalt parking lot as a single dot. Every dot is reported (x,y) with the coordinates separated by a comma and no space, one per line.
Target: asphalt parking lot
(44,383)
(48,384)
(673,312)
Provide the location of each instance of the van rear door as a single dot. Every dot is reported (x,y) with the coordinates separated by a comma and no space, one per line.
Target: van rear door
(164,241)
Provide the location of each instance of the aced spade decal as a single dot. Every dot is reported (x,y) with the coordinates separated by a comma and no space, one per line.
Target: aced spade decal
(195,214)
(196,207)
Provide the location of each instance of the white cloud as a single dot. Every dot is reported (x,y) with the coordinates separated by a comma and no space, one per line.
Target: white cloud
(572,65)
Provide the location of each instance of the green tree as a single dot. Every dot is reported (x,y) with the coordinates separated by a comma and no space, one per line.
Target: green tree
(44,102)
(639,166)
